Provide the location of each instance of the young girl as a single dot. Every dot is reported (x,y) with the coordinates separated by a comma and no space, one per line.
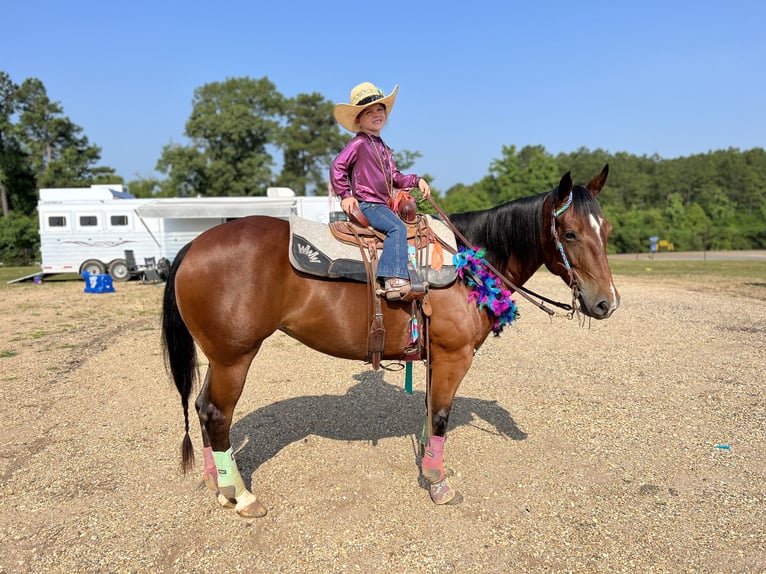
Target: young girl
(364,175)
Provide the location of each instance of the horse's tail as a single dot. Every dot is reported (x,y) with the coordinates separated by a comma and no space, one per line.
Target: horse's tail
(180,354)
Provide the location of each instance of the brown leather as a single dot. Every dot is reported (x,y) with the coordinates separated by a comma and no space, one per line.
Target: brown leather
(369,241)
(408,211)
(403,204)
(376,336)
(347,232)
(358,217)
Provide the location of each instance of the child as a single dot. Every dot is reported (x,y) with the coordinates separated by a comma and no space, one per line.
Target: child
(364,175)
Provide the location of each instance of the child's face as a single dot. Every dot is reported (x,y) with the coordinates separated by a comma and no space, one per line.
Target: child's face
(373,119)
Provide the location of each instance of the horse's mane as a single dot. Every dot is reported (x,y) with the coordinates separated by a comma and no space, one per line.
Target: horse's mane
(515,227)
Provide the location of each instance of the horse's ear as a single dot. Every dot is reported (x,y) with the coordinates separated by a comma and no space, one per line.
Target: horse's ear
(596,184)
(565,186)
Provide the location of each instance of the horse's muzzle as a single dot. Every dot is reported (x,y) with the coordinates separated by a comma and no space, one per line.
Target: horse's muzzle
(601,308)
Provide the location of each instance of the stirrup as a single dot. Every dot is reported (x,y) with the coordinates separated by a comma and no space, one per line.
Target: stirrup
(396,288)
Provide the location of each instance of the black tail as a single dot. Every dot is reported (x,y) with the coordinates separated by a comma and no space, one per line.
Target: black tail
(180,354)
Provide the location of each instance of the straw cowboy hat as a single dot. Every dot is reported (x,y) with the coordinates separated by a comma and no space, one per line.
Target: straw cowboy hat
(363,96)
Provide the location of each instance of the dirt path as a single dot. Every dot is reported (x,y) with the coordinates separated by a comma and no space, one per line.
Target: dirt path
(630,445)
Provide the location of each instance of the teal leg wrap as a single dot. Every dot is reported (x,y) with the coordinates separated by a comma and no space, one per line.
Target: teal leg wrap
(230,482)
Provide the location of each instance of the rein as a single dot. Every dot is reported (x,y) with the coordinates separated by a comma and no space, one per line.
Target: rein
(528,294)
(503,278)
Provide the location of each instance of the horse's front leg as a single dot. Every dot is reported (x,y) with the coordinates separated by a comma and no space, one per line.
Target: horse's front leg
(215,408)
(446,375)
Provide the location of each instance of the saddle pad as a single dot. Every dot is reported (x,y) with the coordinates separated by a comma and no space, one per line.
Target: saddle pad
(315,251)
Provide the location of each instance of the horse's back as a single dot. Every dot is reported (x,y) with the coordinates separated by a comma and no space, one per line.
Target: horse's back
(236,244)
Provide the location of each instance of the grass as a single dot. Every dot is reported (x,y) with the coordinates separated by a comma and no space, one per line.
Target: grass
(745,278)
(737,270)
(10,273)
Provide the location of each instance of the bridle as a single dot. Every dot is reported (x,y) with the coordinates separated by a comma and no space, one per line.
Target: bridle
(573,284)
(528,294)
(555,233)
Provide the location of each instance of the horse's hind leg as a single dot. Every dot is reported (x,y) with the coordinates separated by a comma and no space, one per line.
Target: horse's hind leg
(210,473)
(215,408)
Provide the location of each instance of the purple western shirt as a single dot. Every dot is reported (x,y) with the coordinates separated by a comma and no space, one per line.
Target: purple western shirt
(356,171)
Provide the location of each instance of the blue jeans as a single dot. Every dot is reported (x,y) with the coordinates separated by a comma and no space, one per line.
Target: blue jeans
(393,260)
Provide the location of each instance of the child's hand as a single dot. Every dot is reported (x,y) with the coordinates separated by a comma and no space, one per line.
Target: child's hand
(425,189)
(348,204)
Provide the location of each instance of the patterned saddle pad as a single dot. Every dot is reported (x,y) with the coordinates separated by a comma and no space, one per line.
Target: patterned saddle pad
(315,251)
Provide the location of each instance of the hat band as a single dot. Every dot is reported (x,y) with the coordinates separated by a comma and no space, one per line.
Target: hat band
(369,99)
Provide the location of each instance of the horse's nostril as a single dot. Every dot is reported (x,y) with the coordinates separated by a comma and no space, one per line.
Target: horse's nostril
(603,308)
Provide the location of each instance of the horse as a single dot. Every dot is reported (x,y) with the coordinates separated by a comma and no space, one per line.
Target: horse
(233,286)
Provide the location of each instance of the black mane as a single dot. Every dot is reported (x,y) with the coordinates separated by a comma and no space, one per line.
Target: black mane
(516,227)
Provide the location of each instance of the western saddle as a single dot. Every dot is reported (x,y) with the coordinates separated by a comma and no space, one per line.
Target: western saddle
(422,242)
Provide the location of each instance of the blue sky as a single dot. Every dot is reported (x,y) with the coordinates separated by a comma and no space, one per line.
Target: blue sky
(671,78)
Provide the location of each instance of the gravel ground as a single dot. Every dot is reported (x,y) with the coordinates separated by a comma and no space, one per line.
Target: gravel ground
(634,444)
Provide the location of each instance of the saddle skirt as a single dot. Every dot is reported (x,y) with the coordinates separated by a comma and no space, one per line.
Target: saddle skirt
(314,250)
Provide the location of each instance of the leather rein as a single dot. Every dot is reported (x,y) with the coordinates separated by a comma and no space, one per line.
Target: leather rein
(528,294)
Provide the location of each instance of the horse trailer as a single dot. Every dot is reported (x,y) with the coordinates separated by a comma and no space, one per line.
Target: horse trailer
(105,229)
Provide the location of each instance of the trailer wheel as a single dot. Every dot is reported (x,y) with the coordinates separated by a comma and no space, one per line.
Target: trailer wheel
(93,266)
(118,269)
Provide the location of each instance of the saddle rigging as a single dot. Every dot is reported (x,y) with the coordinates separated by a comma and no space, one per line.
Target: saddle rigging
(423,246)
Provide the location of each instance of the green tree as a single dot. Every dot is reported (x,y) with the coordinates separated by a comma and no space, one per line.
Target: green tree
(17,189)
(694,233)
(19,239)
(3,192)
(519,174)
(145,187)
(59,155)
(462,198)
(17,182)
(631,229)
(405,159)
(309,142)
(186,167)
(231,128)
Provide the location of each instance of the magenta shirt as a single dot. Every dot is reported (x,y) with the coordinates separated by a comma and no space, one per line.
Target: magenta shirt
(356,171)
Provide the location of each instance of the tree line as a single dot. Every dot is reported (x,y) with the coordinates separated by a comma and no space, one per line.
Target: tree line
(710,201)
(245,136)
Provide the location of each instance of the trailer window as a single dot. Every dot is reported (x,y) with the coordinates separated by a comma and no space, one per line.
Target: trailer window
(88,221)
(57,221)
(118,220)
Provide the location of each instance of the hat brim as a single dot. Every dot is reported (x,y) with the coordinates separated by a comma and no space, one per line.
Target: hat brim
(346,114)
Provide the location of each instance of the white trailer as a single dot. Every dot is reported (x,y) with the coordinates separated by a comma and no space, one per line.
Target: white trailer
(104,229)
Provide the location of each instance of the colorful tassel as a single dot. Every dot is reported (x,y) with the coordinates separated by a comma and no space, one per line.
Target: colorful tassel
(487,290)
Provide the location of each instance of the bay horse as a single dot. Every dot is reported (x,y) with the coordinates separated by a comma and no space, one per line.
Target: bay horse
(233,286)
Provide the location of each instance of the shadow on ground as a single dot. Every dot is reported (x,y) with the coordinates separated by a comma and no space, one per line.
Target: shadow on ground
(370,411)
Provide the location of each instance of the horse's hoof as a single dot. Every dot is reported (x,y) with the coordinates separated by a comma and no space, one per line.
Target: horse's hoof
(433,475)
(442,492)
(210,482)
(253,510)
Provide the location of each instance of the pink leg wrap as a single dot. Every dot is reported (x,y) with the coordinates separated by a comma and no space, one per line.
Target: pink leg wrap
(210,473)
(432,464)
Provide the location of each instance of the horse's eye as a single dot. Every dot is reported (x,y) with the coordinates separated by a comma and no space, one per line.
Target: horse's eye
(570,236)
